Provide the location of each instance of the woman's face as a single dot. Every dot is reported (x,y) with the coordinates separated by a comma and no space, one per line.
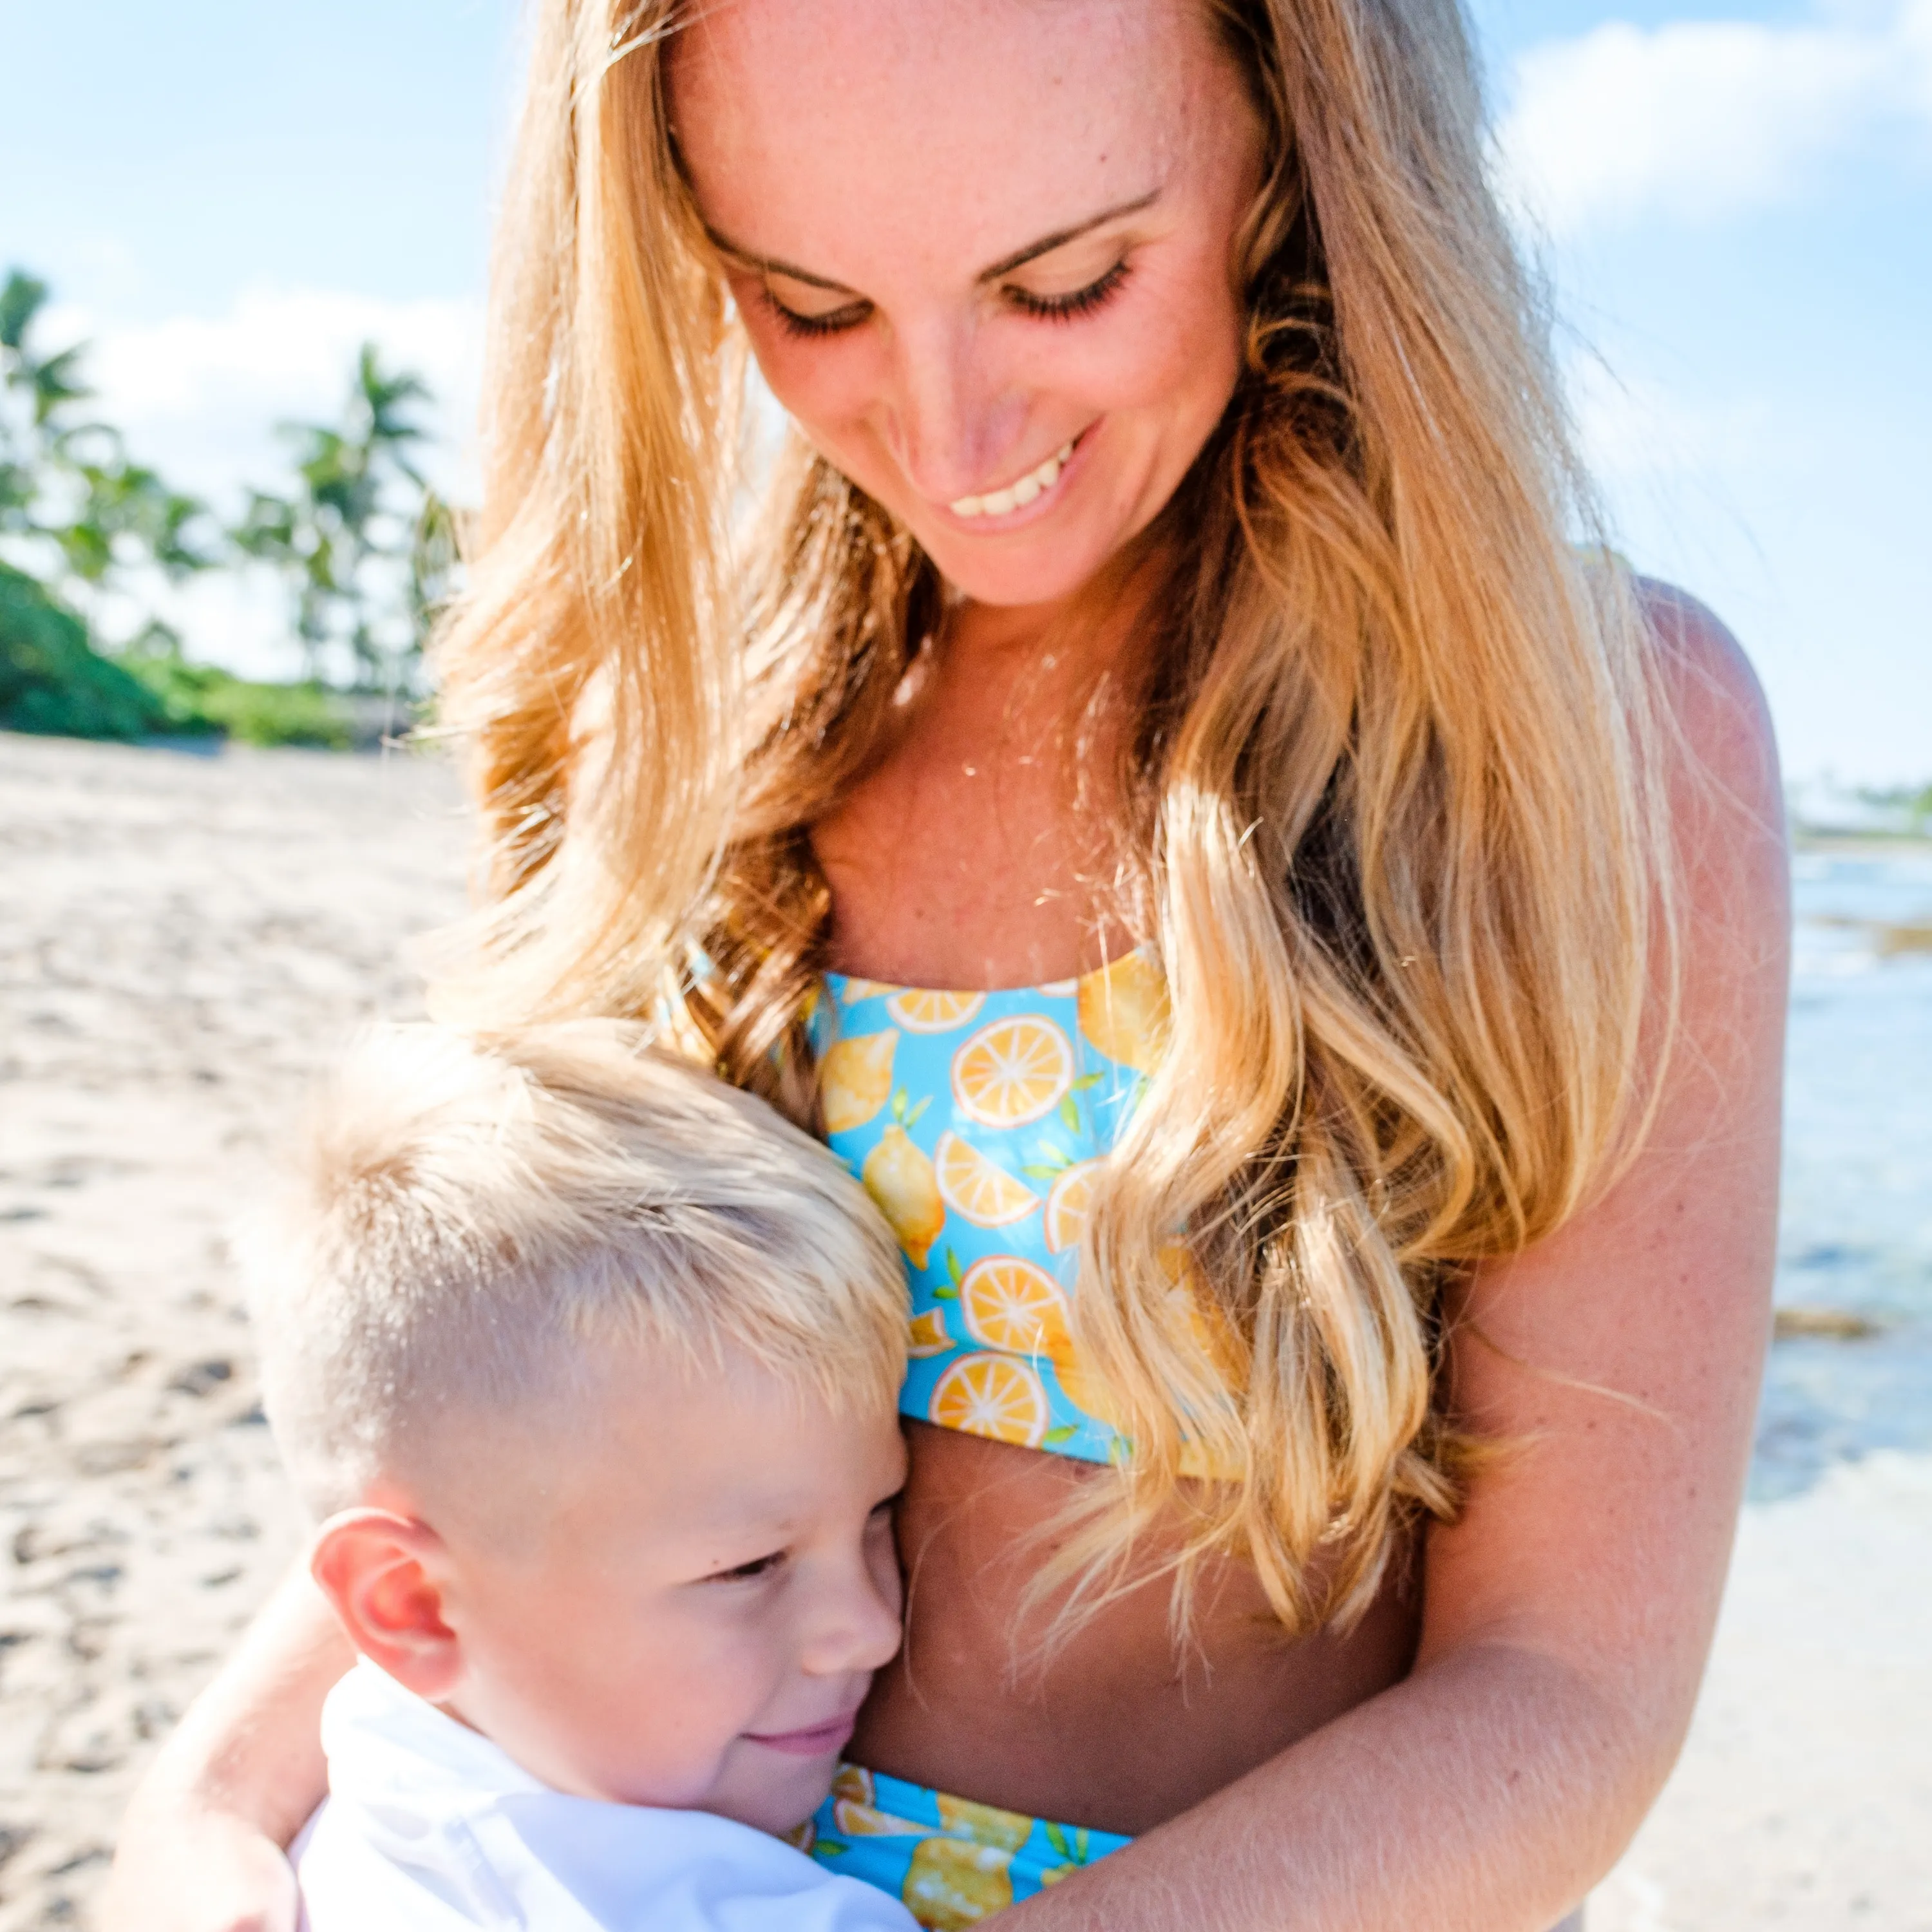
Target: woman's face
(984,249)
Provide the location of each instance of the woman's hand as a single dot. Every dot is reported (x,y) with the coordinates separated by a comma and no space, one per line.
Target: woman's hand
(201,1848)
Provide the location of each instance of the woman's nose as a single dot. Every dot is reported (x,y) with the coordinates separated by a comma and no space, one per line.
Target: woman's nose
(947,415)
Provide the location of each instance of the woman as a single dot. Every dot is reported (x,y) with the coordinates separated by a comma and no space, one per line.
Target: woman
(1163,676)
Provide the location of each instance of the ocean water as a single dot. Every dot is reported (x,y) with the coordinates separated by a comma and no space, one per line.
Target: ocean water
(1855,1230)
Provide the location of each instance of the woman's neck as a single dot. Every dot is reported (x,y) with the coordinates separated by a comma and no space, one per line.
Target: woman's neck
(980,850)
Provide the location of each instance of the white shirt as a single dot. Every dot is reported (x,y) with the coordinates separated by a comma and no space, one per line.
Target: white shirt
(428,1827)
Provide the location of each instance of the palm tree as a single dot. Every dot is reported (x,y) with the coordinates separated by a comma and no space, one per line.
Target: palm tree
(362,537)
(75,506)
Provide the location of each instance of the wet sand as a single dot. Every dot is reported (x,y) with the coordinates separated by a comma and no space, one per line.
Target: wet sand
(181,938)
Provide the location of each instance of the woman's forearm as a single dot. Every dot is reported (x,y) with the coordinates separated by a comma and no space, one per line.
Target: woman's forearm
(1487,1793)
(200,1847)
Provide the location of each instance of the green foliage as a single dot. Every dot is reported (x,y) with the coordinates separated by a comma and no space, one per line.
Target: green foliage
(1913,801)
(254,714)
(53,682)
(367,548)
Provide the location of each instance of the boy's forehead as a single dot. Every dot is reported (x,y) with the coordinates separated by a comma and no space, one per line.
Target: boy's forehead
(701,1453)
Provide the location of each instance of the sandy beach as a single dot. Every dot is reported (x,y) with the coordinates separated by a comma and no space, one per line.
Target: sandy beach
(181,938)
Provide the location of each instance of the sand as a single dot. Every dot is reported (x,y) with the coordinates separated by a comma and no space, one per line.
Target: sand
(181,938)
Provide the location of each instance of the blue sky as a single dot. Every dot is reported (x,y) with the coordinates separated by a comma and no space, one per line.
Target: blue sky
(1735,202)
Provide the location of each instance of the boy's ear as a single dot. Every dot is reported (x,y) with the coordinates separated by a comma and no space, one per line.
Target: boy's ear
(380,1573)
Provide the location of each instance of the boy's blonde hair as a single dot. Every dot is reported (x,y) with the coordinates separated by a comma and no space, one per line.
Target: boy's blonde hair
(473,1222)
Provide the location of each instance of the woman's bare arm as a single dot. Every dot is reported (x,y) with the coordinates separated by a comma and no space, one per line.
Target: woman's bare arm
(201,1846)
(1568,1613)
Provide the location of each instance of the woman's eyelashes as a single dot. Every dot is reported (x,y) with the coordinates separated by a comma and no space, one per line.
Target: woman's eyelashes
(835,322)
(1067,307)
(1075,302)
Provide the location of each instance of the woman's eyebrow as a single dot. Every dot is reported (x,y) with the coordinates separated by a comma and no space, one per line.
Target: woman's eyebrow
(770,265)
(1060,237)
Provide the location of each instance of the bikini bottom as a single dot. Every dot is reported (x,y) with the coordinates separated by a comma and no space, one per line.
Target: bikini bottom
(952,1861)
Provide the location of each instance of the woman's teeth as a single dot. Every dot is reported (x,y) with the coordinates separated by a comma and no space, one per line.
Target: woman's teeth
(997,503)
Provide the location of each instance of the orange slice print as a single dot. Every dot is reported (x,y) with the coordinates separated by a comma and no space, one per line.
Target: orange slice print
(992,1396)
(1067,1201)
(919,1011)
(1013,1071)
(929,1335)
(1007,1302)
(978,1190)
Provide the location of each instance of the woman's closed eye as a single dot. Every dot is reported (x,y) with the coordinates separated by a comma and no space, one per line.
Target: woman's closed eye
(1065,306)
(832,321)
(1061,306)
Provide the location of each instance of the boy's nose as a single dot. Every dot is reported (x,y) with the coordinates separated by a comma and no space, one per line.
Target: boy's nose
(861,1631)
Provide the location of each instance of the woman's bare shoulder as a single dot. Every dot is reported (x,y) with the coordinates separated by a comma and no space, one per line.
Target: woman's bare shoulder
(1723,726)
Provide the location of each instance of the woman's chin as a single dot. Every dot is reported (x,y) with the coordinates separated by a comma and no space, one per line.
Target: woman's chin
(1047,567)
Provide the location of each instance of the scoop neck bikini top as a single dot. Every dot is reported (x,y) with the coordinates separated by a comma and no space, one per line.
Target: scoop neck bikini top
(975,1121)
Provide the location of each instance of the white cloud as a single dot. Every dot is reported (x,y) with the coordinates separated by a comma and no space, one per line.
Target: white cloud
(199,397)
(1702,118)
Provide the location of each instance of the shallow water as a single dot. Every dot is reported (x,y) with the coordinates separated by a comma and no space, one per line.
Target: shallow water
(1856,1224)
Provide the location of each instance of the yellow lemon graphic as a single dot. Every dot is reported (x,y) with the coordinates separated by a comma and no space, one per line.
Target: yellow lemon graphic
(994,1396)
(1081,1388)
(801,1837)
(983,1824)
(919,1011)
(1007,1302)
(1067,1201)
(951,1885)
(855,1079)
(1124,1012)
(1012,1071)
(978,1190)
(929,1333)
(900,1179)
(855,1782)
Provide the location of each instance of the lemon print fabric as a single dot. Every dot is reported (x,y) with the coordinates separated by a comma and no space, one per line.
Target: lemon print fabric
(977,1121)
(952,1861)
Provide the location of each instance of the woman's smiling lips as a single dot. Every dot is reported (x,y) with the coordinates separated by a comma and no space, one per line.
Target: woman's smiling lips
(1001,508)
(817,1741)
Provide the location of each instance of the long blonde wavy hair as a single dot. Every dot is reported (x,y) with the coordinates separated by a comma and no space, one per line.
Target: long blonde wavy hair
(1395,833)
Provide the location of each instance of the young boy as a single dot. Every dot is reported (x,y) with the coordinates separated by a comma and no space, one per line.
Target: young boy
(588,1364)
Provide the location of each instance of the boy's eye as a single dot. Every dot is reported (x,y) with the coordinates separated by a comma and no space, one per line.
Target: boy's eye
(759,1566)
